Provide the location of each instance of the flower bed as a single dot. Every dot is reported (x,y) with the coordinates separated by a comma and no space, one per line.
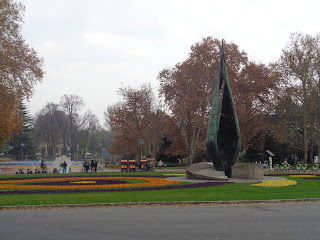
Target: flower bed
(289,174)
(27,183)
(303,176)
(276,183)
(81,182)
(84,176)
(75,184)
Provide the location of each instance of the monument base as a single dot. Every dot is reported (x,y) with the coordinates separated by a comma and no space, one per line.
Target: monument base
(248,171)
(205,171)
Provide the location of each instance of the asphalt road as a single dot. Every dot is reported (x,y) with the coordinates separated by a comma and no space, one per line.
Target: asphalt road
(271,221)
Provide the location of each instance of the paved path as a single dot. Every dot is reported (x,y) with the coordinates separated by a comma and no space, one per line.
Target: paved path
(271,221)
(236,180)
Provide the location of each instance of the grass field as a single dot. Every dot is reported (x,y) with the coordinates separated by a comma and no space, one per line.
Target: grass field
(305,188)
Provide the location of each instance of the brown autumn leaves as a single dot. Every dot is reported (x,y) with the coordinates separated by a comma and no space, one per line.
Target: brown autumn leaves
(280,99)
(186,93)
(20,68)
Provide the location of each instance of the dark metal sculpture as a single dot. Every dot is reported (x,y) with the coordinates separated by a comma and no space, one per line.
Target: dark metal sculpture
(223,134)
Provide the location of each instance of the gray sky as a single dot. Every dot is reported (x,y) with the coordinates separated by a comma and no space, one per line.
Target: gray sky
(92,47)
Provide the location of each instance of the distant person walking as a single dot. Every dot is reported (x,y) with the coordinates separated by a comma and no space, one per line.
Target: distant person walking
(86,166)
(92,165)
(64,167)
(95,165)
(160,164)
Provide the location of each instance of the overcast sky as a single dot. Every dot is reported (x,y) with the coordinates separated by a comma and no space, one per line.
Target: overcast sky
(92,47)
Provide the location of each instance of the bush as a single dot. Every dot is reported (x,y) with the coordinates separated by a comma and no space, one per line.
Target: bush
(242,157)
(113,166)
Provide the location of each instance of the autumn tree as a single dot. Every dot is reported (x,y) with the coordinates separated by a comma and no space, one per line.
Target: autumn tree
(136,117)
(298,95)
(20,67)
(52,126)
(173,146)
(101,140)
(187,89)
(71,105)
(11,121)
(86,134)
(48,128)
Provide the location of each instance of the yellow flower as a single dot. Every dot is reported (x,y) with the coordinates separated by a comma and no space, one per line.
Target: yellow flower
(306,176)
(276,183)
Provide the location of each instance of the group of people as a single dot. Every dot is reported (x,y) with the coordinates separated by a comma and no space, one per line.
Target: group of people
(93,165)
(148,166)
(29,171)
(43,169)
(161,165)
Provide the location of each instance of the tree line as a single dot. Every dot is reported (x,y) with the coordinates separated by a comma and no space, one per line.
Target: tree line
(277,103)
(62,125)
(59,126)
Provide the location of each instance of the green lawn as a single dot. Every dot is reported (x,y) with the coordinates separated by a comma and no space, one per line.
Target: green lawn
(237,191)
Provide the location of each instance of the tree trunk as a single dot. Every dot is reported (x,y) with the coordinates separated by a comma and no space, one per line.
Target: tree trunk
(311,152)
(318,102)
(305,140)
(305,125)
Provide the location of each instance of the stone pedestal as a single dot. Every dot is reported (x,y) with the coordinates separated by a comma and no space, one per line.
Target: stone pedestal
(205,171)
(248,171)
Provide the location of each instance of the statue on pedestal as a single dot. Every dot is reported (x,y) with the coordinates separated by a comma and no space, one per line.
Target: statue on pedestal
(223,135)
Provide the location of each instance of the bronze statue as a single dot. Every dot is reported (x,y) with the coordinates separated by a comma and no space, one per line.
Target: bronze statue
(223,134)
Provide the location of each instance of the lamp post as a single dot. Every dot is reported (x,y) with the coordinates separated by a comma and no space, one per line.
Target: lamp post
(141,142)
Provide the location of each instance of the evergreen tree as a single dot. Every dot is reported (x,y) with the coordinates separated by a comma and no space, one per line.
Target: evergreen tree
(262,142)
(22,143)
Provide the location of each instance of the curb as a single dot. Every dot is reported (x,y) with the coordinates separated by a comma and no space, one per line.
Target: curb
(163,204)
